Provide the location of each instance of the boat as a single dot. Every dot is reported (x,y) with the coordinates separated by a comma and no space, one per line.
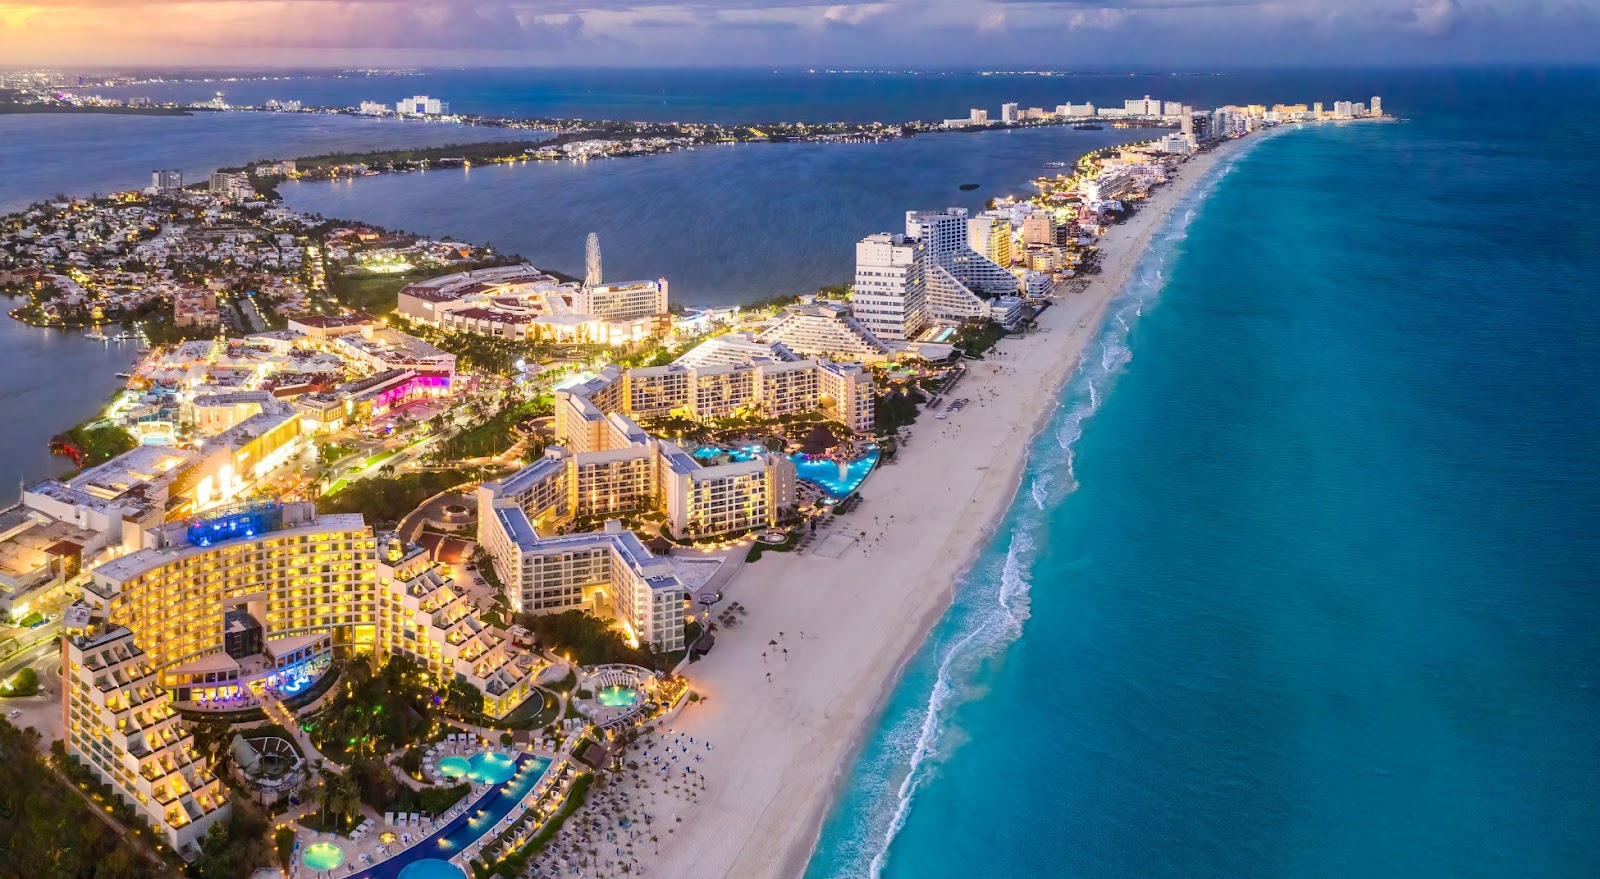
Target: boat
(1055,164)
(98,337)
(1088,127)
(123,336)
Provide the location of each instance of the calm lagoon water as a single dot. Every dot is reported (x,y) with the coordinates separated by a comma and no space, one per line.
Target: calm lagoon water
(722,224)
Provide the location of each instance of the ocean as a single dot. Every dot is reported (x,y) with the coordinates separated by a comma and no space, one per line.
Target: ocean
(745,95)
(1299,581)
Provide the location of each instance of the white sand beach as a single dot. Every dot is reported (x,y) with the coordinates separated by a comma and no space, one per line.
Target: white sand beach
(781,745)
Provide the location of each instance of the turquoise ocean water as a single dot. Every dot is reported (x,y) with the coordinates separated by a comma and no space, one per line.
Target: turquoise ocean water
(1300,578)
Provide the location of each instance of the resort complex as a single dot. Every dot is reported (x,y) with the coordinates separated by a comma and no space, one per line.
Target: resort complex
(404,543)
(256,604)
(523,303)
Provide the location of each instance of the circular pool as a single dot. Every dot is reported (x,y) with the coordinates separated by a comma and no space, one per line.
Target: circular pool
(489,767)
(321,856)
(617,697)
(453,766)
(431,868)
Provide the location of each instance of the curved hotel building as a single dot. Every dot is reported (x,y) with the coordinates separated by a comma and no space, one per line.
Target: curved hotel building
(258,597)
(275,577)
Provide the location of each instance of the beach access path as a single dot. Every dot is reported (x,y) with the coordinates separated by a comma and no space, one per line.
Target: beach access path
(783,745)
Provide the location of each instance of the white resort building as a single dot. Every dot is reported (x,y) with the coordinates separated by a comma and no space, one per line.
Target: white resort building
(608,572)
(825,329)
(523,303)
(607,465)
(890,286)
(959,280)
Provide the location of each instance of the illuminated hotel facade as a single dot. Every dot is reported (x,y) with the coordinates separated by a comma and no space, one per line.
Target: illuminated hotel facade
(610,465)
(262,595)
(270,593)
(842,391)
(609,572)
(308,582)
(426,618)
(607,465)
(522,303)
(118,721)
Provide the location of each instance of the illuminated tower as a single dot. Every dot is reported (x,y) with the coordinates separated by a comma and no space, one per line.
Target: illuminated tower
(591,277)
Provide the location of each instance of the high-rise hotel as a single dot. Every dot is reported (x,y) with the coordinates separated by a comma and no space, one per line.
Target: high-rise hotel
(119,721)
(254,597)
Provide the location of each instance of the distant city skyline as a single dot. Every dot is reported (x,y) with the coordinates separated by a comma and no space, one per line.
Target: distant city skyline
(1014,33)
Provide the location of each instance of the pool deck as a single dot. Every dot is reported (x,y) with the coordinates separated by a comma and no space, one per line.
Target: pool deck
(391,859)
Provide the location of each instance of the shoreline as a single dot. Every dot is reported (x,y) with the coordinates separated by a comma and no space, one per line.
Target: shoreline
(764,807)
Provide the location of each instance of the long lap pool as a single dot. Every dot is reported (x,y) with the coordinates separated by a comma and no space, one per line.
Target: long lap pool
(481,817)
(430,868)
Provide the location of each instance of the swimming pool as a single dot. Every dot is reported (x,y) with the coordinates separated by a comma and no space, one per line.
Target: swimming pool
(742,453)
(453,766)
(465,829)
(825,472)
(617,697)
(431,868)
(322,856)
(491,767)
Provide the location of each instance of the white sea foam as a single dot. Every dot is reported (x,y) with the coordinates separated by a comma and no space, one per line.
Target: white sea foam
(995,627)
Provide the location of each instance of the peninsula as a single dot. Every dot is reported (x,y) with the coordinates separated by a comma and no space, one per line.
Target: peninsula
(399,556)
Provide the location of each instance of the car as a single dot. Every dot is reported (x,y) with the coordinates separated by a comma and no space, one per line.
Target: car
(14,713)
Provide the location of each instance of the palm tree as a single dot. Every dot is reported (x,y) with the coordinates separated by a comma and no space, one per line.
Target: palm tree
(341,797)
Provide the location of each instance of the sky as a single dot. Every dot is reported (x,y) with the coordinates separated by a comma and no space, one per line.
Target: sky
(998,34)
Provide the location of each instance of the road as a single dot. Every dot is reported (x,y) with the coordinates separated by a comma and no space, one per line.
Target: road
(33,647)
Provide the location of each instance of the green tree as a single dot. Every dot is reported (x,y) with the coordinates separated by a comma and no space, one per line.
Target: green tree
(341,798)
(23,683)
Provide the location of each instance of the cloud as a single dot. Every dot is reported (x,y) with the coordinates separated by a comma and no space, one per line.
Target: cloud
(852,15)
(788,32)
(1435,17)
(1097,19)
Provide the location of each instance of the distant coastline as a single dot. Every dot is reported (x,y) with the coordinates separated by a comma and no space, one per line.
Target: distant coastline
(13,109)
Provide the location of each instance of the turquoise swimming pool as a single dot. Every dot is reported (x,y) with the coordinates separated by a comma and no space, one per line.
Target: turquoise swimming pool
(454,766)
(430,868)
(490,767)
(427,859)
(824,472)
(617,697)
(827,473)
(322,856)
